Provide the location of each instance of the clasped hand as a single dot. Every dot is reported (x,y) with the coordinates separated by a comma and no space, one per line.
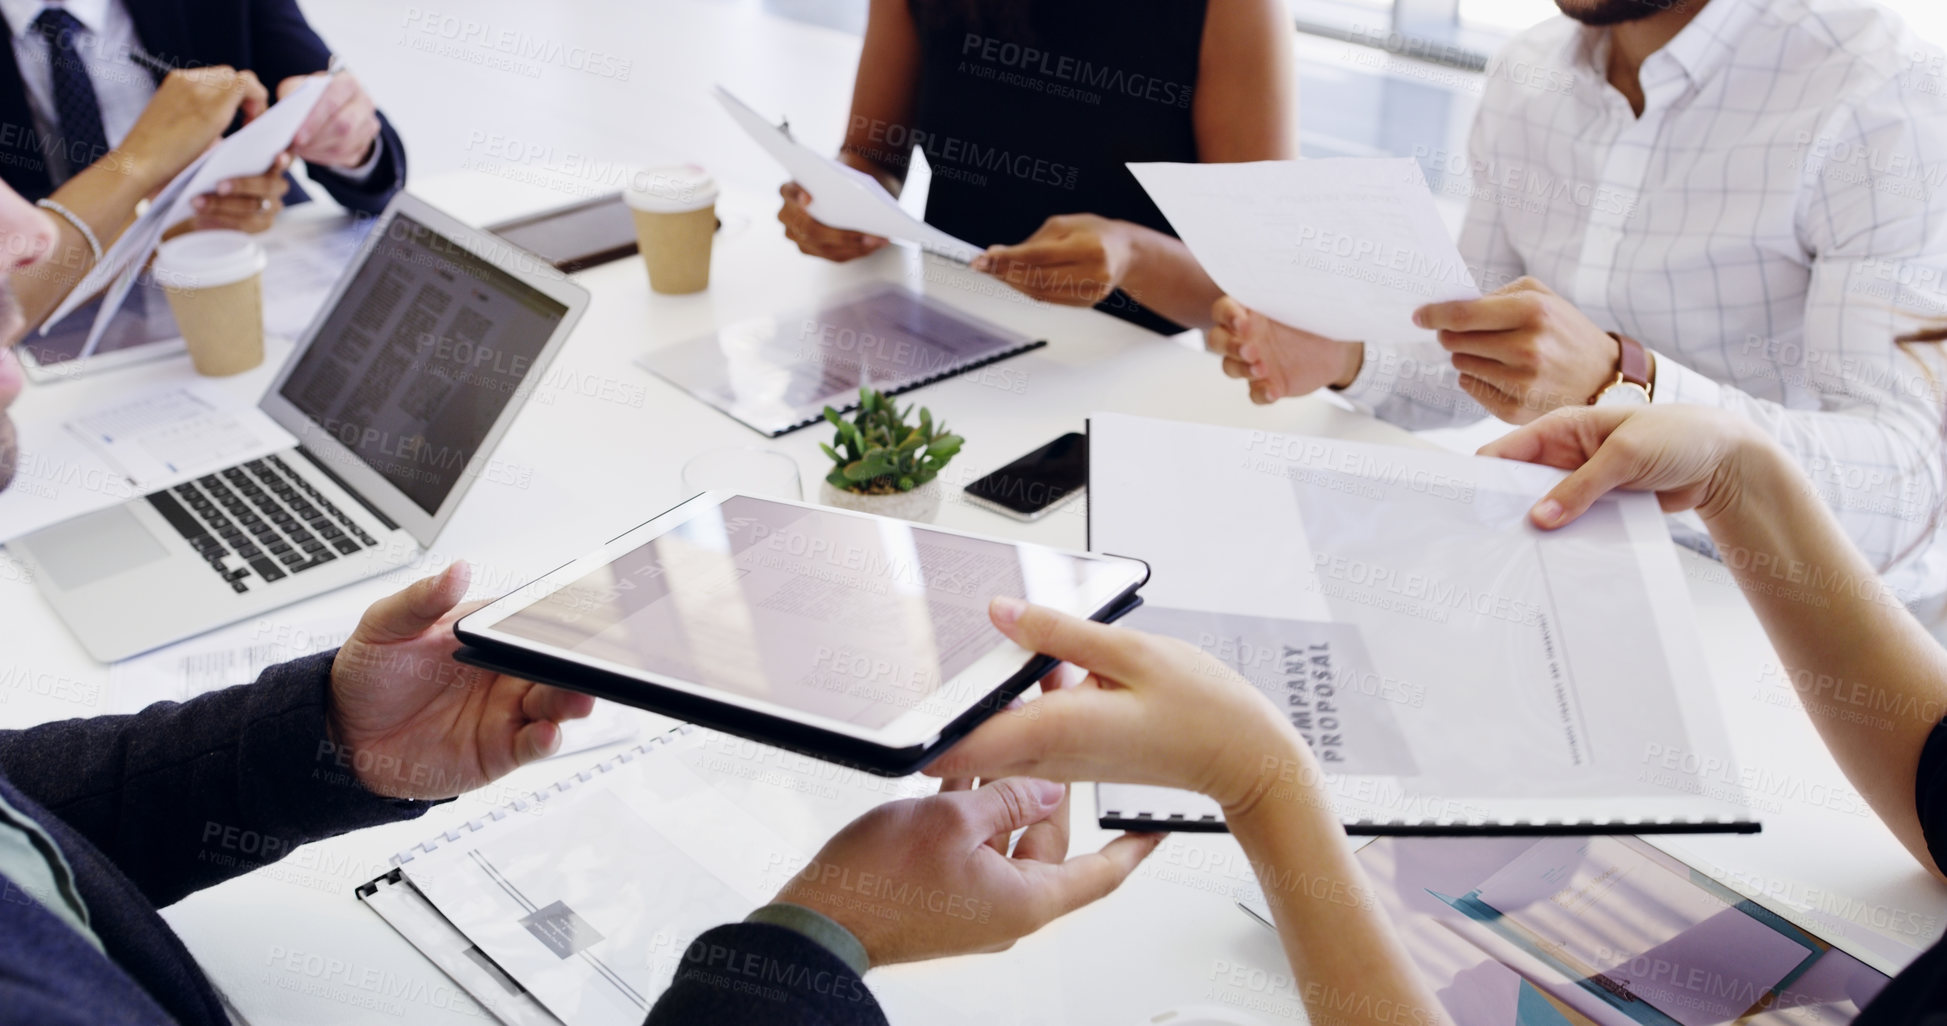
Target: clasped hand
(1521,351)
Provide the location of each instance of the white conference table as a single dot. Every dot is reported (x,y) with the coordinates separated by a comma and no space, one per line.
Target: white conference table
(600,447)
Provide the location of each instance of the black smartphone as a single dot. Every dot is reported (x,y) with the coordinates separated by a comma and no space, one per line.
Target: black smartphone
(575,237)
(1029,487)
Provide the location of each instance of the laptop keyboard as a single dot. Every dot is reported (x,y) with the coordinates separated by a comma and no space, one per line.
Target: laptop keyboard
(259,522)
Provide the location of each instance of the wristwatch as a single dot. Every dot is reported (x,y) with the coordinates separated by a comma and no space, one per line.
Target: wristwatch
(1632,386)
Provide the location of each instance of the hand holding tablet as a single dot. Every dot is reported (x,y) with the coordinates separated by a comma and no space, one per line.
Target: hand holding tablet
(848,637)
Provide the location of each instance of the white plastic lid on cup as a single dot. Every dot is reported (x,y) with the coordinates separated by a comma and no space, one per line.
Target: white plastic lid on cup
(674,189)
(203,260)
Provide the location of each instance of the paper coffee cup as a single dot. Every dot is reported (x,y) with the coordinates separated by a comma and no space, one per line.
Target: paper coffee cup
(675,211)
(214,280)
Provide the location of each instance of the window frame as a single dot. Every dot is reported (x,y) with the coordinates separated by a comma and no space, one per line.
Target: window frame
(1426,30)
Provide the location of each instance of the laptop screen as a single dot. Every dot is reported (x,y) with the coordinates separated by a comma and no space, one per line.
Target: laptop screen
(426,347)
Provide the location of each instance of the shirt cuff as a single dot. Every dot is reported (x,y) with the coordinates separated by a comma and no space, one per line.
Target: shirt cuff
(1369,386)
(1676,383)
(822,929)
(363,173)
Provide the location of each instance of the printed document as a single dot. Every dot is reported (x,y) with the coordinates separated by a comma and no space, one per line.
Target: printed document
(1344,247)
(140,445)
(590,897)
(843,196)
(1448,661)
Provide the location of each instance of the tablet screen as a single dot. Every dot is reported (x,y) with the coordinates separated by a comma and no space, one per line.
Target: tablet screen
(858,620)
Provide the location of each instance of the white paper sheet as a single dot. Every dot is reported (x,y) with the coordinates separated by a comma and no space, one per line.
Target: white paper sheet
(843,196)
(1533,675)
(1344,247)
(165,433)
(141,444)
(247,152)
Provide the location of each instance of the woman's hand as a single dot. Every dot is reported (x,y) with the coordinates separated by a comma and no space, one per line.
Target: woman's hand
(1074,259)
(190,111)
(1152,710)
(1692,457)
(1278,361)
(816,238)
(930,877)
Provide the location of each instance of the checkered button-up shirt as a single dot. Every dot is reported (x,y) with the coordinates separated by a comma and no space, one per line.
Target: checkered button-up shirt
(1768,225)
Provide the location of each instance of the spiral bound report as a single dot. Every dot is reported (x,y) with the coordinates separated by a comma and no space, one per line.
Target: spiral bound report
(525,804)
(777,373)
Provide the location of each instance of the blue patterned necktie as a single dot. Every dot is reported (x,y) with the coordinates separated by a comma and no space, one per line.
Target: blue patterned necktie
(82,137)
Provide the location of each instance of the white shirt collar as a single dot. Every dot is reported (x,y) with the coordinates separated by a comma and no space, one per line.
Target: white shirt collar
(20,14)
(1693,55)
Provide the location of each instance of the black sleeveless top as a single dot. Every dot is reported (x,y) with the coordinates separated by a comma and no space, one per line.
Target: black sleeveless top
(1030,108)
(1918,995)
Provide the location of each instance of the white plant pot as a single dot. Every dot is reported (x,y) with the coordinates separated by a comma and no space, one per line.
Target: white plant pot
(921,504)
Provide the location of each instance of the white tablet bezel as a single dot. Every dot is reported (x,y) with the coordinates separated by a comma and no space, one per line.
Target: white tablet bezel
(911,728)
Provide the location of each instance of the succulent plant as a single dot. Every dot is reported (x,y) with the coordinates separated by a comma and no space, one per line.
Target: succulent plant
(880,452)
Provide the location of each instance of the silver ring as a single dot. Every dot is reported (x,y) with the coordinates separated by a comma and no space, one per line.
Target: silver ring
(263,204)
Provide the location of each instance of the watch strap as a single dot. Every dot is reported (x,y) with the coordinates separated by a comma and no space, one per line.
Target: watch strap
(1635,362)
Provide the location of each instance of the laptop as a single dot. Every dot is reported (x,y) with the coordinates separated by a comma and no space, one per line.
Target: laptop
(397,393)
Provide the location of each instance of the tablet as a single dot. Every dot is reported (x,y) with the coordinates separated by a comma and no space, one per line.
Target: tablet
(143,329)
(849,637)
(575,237)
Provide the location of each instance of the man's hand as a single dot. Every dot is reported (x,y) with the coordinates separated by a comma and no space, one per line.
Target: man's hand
(1280,361)
(1073,259)
(1524,350)
(415,723)
(244,204)
(189,112)
(951,851)
(342,129)
(815,237)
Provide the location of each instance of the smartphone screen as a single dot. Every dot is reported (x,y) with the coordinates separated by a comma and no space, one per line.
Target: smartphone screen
(1038,480)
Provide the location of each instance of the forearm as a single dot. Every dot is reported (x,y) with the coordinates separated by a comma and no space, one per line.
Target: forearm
(103,196)
(1876,461)
(185,795)
(764,975)
(1350,966)
(1164,277)
(1873,681)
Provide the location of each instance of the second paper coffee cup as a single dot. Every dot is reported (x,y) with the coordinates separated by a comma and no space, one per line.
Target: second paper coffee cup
(675,211)
(214,280)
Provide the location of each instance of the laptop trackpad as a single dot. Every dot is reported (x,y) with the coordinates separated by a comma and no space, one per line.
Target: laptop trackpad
(79,552)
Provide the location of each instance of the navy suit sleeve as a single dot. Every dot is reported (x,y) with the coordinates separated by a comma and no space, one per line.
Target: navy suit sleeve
(283,44)
(763,975)
(183,795)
